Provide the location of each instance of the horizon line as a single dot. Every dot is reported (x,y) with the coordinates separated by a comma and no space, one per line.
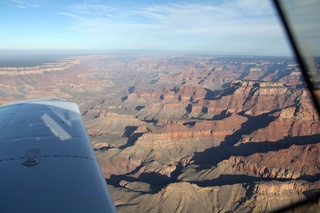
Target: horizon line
(71,51)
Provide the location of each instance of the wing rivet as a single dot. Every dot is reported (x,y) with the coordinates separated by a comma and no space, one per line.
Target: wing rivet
(31,161)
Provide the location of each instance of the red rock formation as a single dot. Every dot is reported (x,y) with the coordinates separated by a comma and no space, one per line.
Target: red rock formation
(109,122)
(299,120)
(253,98)
(286,163)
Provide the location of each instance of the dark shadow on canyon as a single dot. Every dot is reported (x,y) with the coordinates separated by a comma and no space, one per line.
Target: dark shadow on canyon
(211,157)
(235,179)
(155,180)
(132,137)
(151,121)
(252,124)
(210,94)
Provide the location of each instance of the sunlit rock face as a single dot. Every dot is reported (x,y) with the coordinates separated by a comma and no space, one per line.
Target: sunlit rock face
(188,134)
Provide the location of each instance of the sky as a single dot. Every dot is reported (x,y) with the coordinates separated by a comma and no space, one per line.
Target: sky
(232,27)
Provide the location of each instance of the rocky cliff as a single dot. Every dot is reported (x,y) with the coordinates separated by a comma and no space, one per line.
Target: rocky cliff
(189,133)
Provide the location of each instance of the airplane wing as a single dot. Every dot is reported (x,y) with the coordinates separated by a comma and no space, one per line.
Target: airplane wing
(47,163)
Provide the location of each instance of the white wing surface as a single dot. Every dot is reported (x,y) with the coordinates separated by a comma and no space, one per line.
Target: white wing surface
(47,163)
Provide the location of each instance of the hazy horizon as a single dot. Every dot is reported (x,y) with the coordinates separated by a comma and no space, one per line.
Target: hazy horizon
(241,27)
(30,58)
(75,52)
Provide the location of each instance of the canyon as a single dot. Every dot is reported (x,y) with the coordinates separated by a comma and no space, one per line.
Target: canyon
(188,133)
